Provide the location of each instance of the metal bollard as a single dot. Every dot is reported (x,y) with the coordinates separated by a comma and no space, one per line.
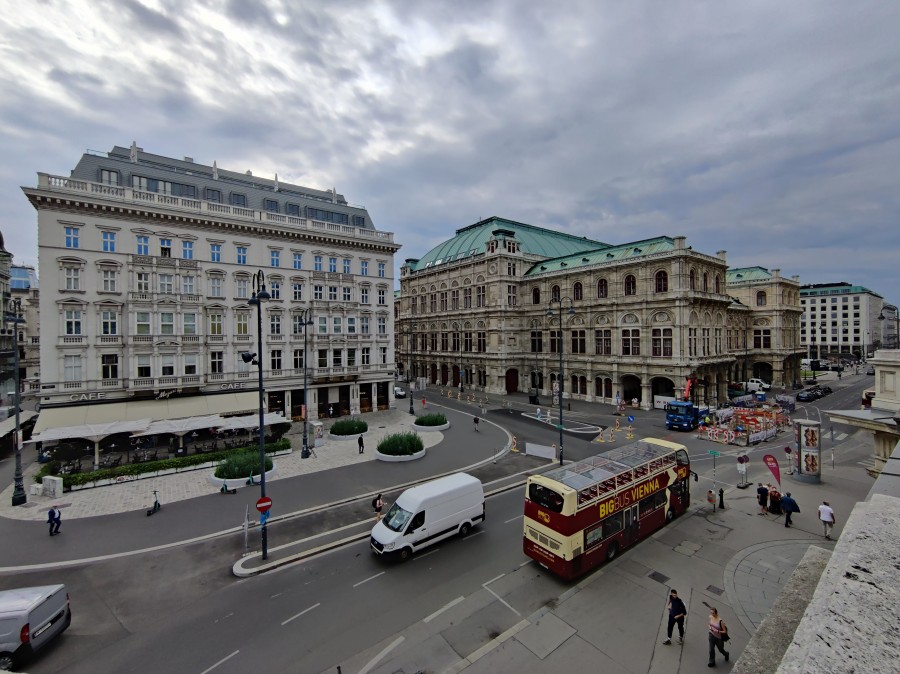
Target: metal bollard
(721,498)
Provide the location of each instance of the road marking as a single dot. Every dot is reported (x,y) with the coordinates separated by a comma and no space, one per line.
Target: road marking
(223,618)
(526,563)
(497,596)
(441,610)
(430,552)
(473,535)
(513,519)
(368,579)
(275,595)
(306,610)
(374,661)
(227,657)
(493,580)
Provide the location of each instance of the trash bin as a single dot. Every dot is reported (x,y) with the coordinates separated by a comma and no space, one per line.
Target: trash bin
(760,396)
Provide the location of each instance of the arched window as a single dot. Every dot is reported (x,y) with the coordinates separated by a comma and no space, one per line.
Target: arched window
(662,282)
(693,280)
(578,291)
(630,285)
(718,285)
(536,296)
(602,288)
(761,298)
(554,293)
(705,282)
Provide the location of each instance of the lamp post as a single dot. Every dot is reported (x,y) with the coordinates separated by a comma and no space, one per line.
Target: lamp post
(881,317)
(560,379)
(18,497)
(259,296)
(410,342)
(306,317)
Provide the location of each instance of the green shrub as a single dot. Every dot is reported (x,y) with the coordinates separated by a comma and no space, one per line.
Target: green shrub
(430,420)
(240,465)
(349,427)
(401,444)
(132,469)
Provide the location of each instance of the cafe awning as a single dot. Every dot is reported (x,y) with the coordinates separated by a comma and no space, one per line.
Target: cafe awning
(93,432)
(182,426)
(251,421)
(9,425)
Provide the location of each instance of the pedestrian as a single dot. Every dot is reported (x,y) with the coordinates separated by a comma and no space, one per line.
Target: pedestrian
(762,497)
(54,519)
(362,445)
(826,516)
(377,505)
(475,421)
(423,403)
(789,506)
(539,413)
(677,612)
(330,411)
(718,635)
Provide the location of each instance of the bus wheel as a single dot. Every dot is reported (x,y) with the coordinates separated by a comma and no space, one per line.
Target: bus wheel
(670,515)
(464,529)
(612,551)
(405,553)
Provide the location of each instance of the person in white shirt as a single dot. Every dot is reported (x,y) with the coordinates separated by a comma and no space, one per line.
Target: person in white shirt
(826,515)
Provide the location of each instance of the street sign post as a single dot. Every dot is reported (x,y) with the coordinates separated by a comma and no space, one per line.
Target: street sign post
(263,504)
(713,452)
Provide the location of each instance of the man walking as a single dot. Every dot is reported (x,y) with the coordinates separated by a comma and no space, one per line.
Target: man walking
(362,445)
(677,612)
(54,519)
(789,506)
(475,421)
(762,496)
(826,516)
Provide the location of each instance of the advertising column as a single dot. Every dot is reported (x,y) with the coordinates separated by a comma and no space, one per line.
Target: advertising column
(808,454)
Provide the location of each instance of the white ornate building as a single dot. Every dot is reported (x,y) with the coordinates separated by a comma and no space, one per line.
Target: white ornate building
(147,266)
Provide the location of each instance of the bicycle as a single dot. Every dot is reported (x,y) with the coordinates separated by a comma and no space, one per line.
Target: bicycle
(156,505)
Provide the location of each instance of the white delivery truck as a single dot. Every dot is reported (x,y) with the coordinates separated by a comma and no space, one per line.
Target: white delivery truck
(429,513)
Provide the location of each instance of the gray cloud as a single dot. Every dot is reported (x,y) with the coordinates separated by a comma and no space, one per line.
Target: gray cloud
(766,129)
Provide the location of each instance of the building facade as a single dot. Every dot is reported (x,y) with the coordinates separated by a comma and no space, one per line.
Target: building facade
(840,321)
(23,284)
(148,265)
(648,320)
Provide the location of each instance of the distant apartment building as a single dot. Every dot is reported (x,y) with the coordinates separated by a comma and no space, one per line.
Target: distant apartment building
(840,321)
(23,284)
(493,307)
(148,265)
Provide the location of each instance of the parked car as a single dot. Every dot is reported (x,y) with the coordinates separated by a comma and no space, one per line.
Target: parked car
(811,380)
(29,618)
(806,397)
(826,390)
(870,369)
(399,392)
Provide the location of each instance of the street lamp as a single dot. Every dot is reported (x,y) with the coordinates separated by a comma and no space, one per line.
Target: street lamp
(560,379)
(259,296)
(18,497)
(881,317)
(306,317)
(410,343)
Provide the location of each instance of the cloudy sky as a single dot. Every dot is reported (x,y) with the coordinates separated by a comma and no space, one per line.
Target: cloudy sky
(767,129)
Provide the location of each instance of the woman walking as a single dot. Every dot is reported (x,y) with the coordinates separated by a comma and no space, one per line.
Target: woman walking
(377,504)
(718,634)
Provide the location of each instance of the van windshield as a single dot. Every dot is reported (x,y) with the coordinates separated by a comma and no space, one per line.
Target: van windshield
(396,518)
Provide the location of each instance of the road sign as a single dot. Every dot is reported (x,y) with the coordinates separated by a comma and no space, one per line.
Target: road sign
(263,504)
(630,419)
(555,400)
(713,452)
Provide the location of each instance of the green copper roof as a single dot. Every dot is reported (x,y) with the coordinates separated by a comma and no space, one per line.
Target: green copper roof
(606,254)
(533,240)
(837,289)
(743,274)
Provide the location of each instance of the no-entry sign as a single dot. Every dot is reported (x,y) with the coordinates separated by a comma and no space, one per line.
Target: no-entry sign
(263,504)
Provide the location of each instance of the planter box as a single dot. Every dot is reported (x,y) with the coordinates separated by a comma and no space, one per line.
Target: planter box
(343,438)
(237,483)
(398,459)
(426,429)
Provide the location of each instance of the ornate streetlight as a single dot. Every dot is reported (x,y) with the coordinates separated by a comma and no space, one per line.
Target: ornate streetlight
(560,378)
(306,317)
(260,295)
(18,497)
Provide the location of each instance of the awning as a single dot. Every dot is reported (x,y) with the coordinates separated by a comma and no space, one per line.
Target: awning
(252,421)
(155,410)
(182,426)
(8,426)
(93,432)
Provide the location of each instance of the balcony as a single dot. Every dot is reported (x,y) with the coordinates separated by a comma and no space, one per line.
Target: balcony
(72,340)
(116,193)
(109,339)
(275,338)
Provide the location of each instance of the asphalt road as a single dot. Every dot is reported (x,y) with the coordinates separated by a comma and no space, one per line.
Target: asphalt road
(180,610)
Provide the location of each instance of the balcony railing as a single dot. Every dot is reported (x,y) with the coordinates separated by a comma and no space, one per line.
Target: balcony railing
(197,206)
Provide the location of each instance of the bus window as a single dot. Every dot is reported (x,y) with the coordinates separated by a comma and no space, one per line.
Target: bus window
(681,458)
(546,498)
(612,525)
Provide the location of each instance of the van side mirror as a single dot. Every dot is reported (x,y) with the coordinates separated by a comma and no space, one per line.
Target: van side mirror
(695,476)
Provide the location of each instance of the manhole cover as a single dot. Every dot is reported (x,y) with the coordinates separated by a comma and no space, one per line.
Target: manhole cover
(714,589)
(658,577)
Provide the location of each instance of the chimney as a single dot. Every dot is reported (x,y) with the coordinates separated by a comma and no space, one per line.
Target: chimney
(722,254)
(248,173)
(679,242)
(189,160)
(796,277)
(776,273)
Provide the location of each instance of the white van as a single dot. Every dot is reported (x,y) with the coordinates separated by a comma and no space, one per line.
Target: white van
(29,618)
(429,513)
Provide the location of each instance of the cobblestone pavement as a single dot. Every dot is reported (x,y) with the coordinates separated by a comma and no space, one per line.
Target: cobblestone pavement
(137,494)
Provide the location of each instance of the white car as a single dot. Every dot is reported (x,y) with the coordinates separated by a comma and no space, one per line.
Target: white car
(399,392)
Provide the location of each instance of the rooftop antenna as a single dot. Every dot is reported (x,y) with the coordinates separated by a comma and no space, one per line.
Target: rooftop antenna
(215,171)
(276,182)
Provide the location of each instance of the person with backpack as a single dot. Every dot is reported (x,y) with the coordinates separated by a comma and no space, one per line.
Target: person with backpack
(718,635)
(475,421)
(377,506)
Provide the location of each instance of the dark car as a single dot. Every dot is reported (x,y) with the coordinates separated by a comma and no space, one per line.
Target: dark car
(806,397)
(826,390)
(811,380)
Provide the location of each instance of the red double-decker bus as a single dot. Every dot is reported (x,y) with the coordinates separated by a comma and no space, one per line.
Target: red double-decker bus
(583,514)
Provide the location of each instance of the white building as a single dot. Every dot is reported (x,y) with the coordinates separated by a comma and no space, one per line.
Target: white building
(148,264)
(840,320)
